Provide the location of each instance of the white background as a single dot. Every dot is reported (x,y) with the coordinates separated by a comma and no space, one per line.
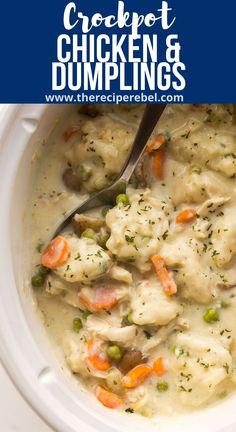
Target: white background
(15,413)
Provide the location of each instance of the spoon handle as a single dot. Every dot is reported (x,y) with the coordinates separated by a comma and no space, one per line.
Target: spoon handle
(149,120)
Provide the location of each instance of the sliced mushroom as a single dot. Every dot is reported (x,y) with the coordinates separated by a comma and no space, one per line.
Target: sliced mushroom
(71,180)
(130,359)
(81,222)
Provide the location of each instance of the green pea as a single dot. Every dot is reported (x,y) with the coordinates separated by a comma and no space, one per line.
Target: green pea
(211,315)
(39,278)
(89,233)
(77,325)
(114,352)
(84,172)
(121,187)
(105,210)
(122,199)
(162,386)
(130,318)
(85,314)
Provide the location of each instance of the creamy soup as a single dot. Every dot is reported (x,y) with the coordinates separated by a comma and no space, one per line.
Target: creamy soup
(140,296)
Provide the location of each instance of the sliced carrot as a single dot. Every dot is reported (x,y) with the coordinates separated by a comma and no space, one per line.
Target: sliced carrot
(70,132)
(108,399)
(159,367)
(186,215)
(158,163)
(136,376)
(164,276)
(104,298)
(156,143)
(95,356)
(56,253)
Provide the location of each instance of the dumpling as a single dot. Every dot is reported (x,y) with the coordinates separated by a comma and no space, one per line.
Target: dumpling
(137,229)
(224,237)
(103,148)
(77,354)
(200,363)
(206,147)
(87,261)
(194,186)
(150,305)
(192,274)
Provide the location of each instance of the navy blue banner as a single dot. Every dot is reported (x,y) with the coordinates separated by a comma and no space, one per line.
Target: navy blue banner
(118,52)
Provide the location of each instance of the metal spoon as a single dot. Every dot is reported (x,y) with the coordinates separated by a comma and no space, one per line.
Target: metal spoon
(108,195)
